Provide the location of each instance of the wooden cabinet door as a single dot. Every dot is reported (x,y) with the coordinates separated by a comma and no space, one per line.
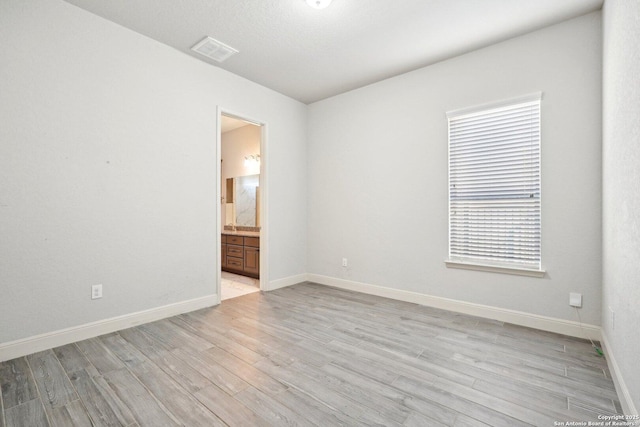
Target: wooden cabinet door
(252,260)
(224,255)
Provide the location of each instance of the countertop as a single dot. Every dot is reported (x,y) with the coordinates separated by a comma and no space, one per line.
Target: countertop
(241,233)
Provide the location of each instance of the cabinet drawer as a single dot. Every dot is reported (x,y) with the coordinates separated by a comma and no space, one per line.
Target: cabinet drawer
(235,263)
(252,241)
(235,240)
(235,251)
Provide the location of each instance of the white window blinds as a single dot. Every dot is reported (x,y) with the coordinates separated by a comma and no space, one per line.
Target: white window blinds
(494,185)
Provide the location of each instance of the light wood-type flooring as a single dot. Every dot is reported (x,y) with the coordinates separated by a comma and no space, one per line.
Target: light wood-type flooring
(311,355)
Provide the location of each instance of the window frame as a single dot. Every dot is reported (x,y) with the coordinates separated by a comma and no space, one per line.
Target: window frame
(503,265)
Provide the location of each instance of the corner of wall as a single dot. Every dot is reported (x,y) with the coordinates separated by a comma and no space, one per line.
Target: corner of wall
(626,401)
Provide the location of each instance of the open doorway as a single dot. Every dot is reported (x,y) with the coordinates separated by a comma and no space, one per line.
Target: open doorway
(241,211)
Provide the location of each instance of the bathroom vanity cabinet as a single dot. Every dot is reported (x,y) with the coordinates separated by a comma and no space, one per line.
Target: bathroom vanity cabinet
(241,254)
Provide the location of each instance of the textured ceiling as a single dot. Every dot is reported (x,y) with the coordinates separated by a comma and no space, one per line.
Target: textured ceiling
(311,54)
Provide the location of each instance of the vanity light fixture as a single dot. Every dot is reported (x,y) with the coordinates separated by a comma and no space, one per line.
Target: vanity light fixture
(318,4)
(251,159)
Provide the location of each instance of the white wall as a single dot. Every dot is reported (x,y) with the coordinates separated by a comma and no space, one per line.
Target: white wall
(378,173)
(108,169)
(235,146)
(621,189)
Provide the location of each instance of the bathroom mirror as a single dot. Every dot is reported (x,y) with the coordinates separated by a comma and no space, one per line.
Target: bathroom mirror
(247,200)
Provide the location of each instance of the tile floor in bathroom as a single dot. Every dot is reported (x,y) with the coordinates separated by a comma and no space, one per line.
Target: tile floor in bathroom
(234,285)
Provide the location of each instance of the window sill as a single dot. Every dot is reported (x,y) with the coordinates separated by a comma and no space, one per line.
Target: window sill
(518,271)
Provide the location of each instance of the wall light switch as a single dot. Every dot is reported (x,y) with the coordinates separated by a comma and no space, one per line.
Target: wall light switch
(575,299)
(612,316)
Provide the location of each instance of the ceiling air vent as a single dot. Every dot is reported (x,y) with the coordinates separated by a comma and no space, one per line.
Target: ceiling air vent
(212,48)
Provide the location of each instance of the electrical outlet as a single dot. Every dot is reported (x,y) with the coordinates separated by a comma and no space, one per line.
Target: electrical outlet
(345,262)
(96,291)
(575,300)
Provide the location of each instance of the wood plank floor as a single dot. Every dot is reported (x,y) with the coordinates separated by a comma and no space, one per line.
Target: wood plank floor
(311,355)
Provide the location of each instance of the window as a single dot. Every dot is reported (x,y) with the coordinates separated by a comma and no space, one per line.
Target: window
(494,187)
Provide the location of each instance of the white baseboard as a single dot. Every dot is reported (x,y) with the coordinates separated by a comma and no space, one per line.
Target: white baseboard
(551,324)
(628,406)
(287,281)
(25,346)
(45,341)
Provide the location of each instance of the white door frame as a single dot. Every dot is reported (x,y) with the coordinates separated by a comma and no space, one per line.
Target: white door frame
(264,197)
